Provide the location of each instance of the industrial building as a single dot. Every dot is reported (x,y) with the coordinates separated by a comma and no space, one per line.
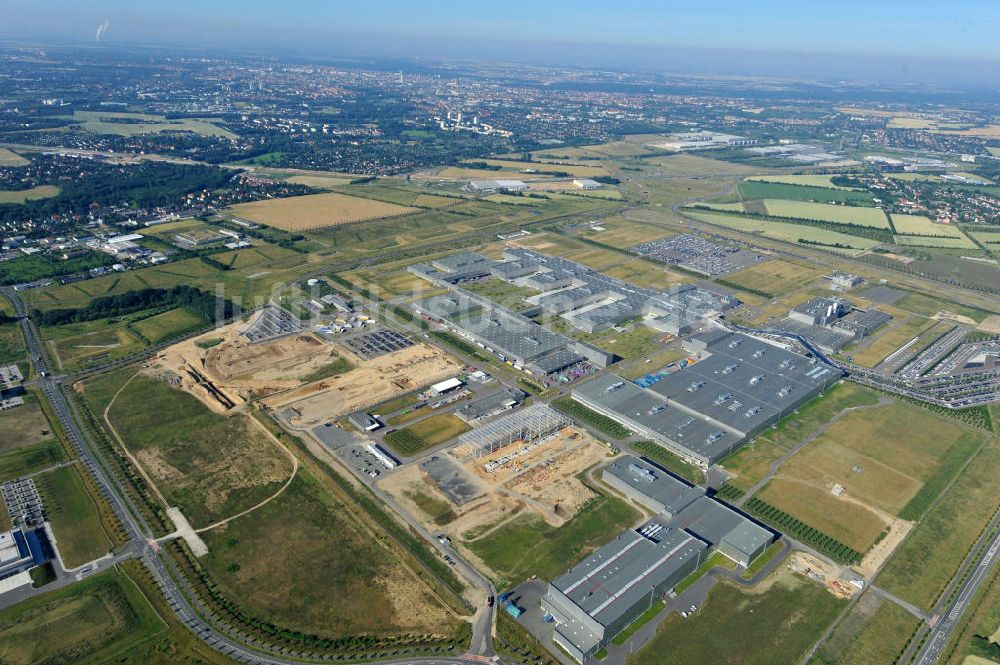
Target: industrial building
(707,410)
(586,184)
(495,186)
(831,323)
(611,588)
(21,549)
(683,506)
(529,424)
(490,405)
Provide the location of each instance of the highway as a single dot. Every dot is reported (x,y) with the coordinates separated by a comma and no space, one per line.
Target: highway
(138,531)
(978,572)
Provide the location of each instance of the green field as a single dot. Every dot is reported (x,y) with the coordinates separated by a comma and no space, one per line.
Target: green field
(505,294)
(74,517)
(891,338)
(824,212)
(528,546)
(27,460)
(776,277)
(925,241)
(33,194)
(808,180)
(329,577)
(169,324)
(11,344)
(426,434)
(79,344)
(210,466)
(746,628)
(130,124)
(875,631)
(926,560)
(927,305)
(755,190)
(11,158)
(796,233)
(24,425)
(89,621)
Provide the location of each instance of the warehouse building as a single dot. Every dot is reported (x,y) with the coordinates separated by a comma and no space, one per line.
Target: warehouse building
(610,588)
(494,186)
(491,405)
(683,506)
(707,410)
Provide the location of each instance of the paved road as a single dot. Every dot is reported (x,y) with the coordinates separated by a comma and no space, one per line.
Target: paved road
(941,632)
(138,531)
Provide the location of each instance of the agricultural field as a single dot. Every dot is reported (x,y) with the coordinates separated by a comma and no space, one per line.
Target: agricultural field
(208,465)
(89,621)
(169,324)
(74,517)
(918,225)
(987,237)
(464,173)
(874,631)
(756,190)
(130,124)
(776,277)
(426,434)
(33,194)
(944,243)
(923,564)
(808,180)
(326,554)
(319,181)
(527,545)
(10,158)
(687,164)
(316,211)
(916,449)
(825,212)
(24,425)
(795,233)
(788,615)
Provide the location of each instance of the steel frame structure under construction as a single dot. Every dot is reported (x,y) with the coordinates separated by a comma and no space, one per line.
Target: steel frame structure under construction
(526,425)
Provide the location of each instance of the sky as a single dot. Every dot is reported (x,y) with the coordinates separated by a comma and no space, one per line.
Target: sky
(646,30)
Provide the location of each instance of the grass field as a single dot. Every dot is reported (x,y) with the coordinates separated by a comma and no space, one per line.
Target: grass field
(624,234)
(330,576)
(130,124)
(73,516)
(757,190)
(209,465)
(925,561)
(796,233)
(11,344)
(687,164)
(786,619)
(89,622)
(33,194)
(927,305)
(24,425)
(826,212)
(316,211)
(528,546)
(808,180)
(891,339)
(918,225)
(987,237)
(10,158)
(464,173)
(96,341)
(318,181)
(426,434)
(913,447)
(925,241)
(29,459)
(874,631)
(572,169)
(172,323)
(777,276)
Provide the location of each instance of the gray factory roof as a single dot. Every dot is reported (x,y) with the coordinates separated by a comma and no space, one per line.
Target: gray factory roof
(663,489)
(491,404)
(512,269)
(745,382)
(719,524)
(460,262)
(611,580)
(651,411)
(827,339)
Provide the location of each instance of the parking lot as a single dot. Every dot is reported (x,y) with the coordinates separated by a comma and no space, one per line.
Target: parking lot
(377,343)
(24,505)
(700,254)
(272,323)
